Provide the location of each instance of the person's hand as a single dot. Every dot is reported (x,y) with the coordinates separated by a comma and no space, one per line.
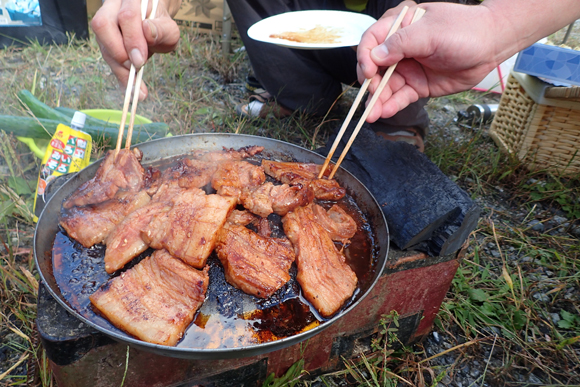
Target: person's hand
(450,49)
(125,39)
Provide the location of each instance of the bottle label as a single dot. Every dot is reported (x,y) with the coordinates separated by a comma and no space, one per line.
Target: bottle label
(69,151)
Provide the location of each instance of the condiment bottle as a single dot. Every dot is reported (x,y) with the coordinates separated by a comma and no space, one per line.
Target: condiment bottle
(69,151)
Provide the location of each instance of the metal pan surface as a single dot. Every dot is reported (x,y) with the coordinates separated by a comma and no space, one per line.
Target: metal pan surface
(154,153)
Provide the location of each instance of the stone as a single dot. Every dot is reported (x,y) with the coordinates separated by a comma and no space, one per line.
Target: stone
(436,337)
(536,225)
(534,380)
(542,297)
(560,219)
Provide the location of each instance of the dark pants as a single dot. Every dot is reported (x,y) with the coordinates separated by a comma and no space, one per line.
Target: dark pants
(310,80)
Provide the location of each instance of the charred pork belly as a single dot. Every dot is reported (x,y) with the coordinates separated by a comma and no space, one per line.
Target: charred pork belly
(227,154)
(154,301)
(92,224)
(241,218)
(255,264)
(307,174)
(339,225)
(263,227)
(167,191)
(325,189)
(152,180)
(244,218)
(279,199)
(121,173)
(326,279)
(125,242)
(232,176)
(190,173)
(189,229)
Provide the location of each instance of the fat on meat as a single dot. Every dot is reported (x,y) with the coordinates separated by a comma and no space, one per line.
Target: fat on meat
(326,279)
(241,217)
(253,263)
(279,199)
(92,224)
(191,173)
(339,225)
(125,242)
(155,300)
(233,176)
(305,173)
(121,173)
(189,229)
(227,153)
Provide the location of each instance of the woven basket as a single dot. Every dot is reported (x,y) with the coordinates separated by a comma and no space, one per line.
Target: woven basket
(543,135)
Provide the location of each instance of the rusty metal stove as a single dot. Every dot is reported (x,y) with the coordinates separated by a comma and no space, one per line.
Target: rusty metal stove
(413,285)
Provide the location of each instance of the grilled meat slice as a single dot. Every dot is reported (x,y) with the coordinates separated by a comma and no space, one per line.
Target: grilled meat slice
(189,229)
(232,176)
(263,227)
(227,154)
(326,279)
(121,173)
(154,301)
(152,180)
(125,242)
(191,173)
(325,189)
(241,218)
(279,199)
(305,173)
(255,264)
(339,225)
(286,198)
(167,191)
(244,218)
(92,224)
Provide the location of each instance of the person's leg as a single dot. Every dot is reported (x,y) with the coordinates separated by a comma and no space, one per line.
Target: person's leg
(294,77)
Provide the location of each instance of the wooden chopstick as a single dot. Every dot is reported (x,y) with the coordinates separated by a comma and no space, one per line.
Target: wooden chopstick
(130,88)
(125,108)
(138,88)
(419,12)
(358,98)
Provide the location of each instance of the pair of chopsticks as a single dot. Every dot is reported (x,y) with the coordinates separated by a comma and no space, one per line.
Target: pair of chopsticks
(418,14)
(136,89)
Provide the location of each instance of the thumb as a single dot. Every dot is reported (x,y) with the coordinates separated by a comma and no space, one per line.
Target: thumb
(162,34)
(390,51)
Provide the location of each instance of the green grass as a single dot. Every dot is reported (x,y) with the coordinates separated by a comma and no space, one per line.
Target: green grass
(494,291)
(492,303)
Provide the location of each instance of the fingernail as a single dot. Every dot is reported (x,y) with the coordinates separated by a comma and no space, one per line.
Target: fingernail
(127,64)
(152,28)
(142,95)
(380,52)
(136,58)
